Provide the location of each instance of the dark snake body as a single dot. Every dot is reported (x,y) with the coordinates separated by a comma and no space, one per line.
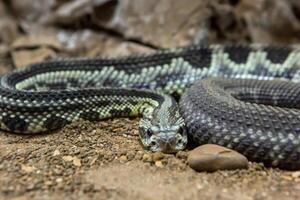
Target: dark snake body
(48,95)
(260,119)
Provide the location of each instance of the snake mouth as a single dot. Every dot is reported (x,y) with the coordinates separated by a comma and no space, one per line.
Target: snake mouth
(168,143)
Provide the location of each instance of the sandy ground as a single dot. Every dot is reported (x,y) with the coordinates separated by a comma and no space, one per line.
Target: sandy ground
(106,161)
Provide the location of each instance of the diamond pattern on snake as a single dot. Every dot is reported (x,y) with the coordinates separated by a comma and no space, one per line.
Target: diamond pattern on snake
(245,97)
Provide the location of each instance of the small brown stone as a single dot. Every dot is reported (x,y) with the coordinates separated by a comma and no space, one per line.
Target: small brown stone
(27,168)
(211,157)
(76,162)
(147,158)
(159,164)
(158,156)
(56,152)
(67,158)
(123,158)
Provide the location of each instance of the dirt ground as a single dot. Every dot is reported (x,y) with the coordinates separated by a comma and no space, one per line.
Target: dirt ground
(105,160)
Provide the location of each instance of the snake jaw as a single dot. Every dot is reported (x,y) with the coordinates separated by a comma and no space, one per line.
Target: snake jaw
(167,141)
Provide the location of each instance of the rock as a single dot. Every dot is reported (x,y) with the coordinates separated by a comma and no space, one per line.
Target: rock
(159,164)
(25,10)
(158,156)
(211,157)
(145,20)
(22,58)
(123,158)
(27,168)
(37,41)
(56,152)
(8,30)
(59,180)
(147,158)
(67,158)
(76,162)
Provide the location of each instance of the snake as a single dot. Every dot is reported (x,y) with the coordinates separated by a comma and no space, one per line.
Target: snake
(242,96)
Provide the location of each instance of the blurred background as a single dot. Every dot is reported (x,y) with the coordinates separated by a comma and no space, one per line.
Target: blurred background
(32,30)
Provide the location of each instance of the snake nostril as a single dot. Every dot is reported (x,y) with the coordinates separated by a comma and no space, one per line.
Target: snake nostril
(179,141)
(153,143)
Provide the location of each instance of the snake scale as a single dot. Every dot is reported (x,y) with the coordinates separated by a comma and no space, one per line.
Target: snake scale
(245,97)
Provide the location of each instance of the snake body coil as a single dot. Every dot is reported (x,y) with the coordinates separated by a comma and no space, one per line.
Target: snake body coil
(256,113)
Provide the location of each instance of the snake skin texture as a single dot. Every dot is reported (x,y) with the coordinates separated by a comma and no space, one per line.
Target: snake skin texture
(48,95)
(260,119)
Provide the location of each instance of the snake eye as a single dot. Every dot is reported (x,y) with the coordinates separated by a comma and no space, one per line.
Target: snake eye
(181,130)
(149,133)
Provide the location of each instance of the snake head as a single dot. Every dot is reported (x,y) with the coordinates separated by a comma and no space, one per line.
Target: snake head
(162,128)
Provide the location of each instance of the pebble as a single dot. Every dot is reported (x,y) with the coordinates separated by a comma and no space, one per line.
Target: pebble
(67,158)
(56,152)
(27,168)
(147,158)
(123,158)
(211,157)
(157,156)
(130,155)
(76,162)
(159,164)
(59,180)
